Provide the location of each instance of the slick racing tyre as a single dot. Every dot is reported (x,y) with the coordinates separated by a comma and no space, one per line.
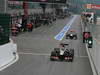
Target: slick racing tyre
(51,59)
(75,37)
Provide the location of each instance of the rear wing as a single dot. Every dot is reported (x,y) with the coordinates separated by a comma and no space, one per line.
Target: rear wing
(63,44)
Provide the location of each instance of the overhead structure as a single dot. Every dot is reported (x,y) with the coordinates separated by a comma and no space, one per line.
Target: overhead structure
(44,1)
(78,6)
(92,6)
(3,6)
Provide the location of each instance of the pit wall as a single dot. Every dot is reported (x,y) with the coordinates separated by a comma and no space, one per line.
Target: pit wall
(93,54)
(8,55)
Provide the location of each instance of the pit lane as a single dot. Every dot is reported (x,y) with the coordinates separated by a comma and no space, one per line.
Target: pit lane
(34,50)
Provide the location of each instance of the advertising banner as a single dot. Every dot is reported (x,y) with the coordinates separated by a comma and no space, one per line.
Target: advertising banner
(95,6)
(92,6)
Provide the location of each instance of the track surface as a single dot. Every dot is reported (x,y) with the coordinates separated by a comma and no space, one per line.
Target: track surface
(34,50)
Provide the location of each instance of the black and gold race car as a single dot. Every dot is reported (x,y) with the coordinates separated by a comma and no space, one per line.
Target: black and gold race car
(71,35)
(62,53)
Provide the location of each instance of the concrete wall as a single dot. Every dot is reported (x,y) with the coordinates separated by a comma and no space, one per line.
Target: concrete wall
(94,55)
(7,56)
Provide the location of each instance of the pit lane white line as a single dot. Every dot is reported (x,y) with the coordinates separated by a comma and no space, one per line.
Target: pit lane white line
(41,54)
(62,33)
(45,54)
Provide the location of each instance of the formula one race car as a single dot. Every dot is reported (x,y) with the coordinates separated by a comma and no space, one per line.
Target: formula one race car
(62,53)
(71,35)
(90,42)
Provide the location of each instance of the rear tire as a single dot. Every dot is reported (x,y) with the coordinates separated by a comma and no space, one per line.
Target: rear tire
(52,59)
(75,37)
(72,59)
(83,40)
(67,37)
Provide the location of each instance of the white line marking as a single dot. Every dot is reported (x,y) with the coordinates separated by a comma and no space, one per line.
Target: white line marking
(41,54)
(62,33)
(45,54)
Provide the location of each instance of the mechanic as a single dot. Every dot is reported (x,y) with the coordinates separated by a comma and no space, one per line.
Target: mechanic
(30,26)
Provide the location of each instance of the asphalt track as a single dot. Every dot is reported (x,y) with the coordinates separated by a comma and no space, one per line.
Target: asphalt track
(34,50)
